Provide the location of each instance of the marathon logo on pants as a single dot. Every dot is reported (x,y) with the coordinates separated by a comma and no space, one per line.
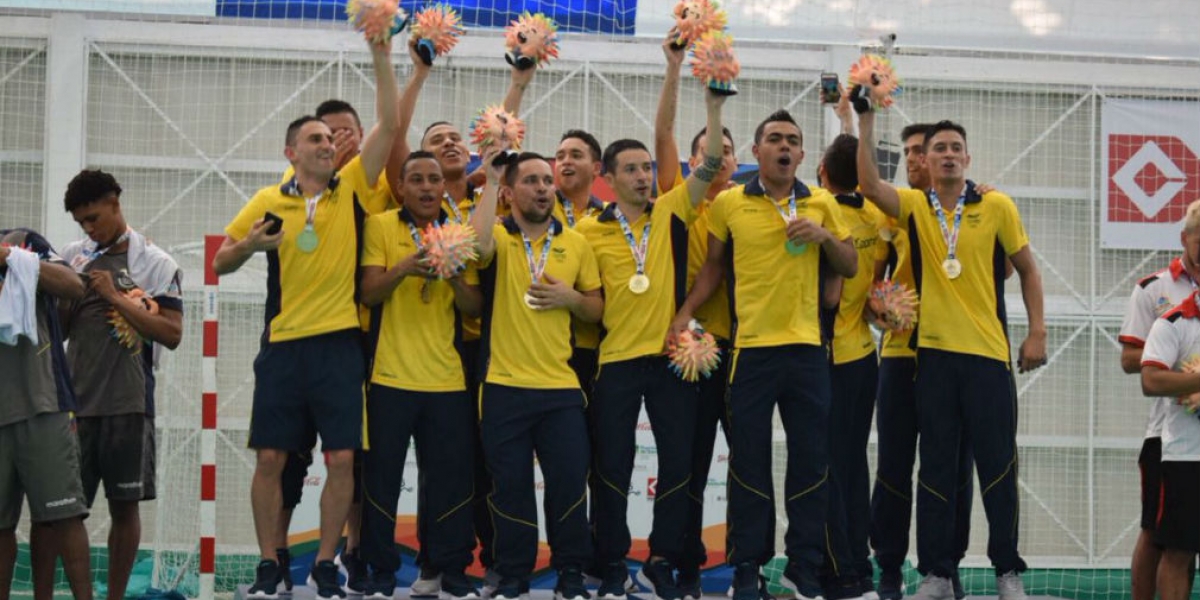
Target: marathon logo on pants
(1151,171)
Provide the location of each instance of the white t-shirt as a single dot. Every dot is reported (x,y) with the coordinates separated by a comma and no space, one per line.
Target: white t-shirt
(1152,297)
(1175,340)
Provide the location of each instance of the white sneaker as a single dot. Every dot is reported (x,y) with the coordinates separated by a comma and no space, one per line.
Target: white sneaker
(935,588)
(491,581)
(427,587)
(1010,586)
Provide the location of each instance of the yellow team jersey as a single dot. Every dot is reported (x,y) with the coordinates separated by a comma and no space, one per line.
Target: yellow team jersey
(960,315)
(636,324)
(775,295)
(310,293)
(852,339)
(417,333)
(713,315)
(896,252)
(529,348)
(587,335)
(376,200)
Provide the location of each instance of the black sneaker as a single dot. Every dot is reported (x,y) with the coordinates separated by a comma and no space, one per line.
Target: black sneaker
(508,589)
(356,572)
(266,581)
(613,579)
(803,583)
(688,580)
(456,586)
(570,585)
(866,588)
(891,585)
(745,581)
(959,592)
(661,576)
(284,556)
(325,576)
(381,586)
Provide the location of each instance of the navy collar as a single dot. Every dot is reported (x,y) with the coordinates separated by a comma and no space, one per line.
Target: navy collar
(609,213)
(510,225)
(292,186)
(406,217)
(853,200)
(755,188)
(973,197)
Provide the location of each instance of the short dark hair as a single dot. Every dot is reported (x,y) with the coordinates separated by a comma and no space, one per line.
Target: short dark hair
(333,107)
(416,155)
(779,116)
(510,172)
(945,125)
(425,134)
(839,162)
(293,129)
(921,129)
(592,143)
(88,187)
(704,130)
(617,147)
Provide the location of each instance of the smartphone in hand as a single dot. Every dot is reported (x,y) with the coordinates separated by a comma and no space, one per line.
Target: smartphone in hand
(829,88)
(276,223)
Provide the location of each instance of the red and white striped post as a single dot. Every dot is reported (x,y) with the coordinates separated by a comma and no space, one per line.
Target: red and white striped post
(208,424)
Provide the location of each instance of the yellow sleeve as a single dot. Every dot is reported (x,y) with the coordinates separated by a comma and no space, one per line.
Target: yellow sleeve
(374,252)
(589,270)
(1011,230)
(251,212)
(833,218)
(674,184)
(499,233)
(717,224)
(353,175)
(679,202)
(288,174)
(909,200)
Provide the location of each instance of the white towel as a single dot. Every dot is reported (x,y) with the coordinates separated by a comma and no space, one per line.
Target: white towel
(18,298)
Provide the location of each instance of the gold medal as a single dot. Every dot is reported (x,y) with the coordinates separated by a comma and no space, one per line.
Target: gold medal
(639,283)
(952,267)
(529,301)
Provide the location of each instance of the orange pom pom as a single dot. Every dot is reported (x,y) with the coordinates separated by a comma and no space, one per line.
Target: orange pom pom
(533,37)
(379,20)
(875,73)
(693,353)
(896,304)
(494,125)
(713,60)
(441,25)
(448,248)
(694,18)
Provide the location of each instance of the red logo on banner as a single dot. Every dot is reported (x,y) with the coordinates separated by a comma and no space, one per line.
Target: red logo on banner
(651,487)
(1151,178)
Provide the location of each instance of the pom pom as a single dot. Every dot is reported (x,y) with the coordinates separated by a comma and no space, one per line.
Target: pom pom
(441,25)
(448,248)
(531,40)
(694,18)
(379,20)
(896,304)
(1192,401)
(694,353)
(875,74)
(494,125)
(714,63)
(121,329)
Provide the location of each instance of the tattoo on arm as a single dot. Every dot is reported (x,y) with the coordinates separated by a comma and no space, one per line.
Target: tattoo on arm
(707,171)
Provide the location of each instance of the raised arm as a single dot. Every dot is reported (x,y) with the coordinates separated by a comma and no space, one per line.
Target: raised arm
(714,150)
(1033,349)
(406,108)
(485,208)
(234,253)
(666,151)
(869,183)
(516,89)
(378,143)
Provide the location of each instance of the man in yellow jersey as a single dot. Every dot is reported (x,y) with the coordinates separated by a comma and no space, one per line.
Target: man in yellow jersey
(959,239)
(447,143)
(896,422)
(343,121)
(536,274)
(309,371)
(773,232)
(853,373)
(421,395)
(576,164)
(641,250)
(713,315)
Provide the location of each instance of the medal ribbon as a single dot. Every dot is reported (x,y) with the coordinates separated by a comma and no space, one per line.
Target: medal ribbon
(536,269)
(950,235)
(790,215)
(458,216)
(91,255)
(638,250)
(310,210)
(569,210)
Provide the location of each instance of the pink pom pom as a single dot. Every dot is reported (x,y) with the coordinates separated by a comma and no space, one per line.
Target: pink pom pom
(441,25)
(694,353)
(713,61)
(494,125)
(896,304)
(377,19)
(694,18)
(875,73)
(448,248)
(532,36)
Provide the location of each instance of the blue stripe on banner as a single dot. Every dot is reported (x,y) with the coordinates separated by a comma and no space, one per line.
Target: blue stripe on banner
(586,16)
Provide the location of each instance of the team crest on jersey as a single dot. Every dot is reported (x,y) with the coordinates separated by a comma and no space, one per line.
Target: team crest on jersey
(1162,305)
